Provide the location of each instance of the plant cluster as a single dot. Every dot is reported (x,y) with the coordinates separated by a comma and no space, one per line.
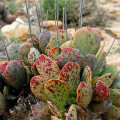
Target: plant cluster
(72,82)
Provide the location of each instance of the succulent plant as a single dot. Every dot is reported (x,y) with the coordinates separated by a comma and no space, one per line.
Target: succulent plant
(61,37)
(25,49)
(15,74)
(72,84)
(44,39)
(86,40)
(13,52)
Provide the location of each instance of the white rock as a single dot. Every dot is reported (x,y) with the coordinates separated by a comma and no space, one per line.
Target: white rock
(16,30)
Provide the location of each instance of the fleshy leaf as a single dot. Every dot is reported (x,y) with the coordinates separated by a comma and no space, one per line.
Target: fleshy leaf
(84,94)
(115,97)
(101,107)
(29,74)
(58,91)
(61,37)
(53,53)
(47,67)
(36,43)
(113,113)
(69,55)
(44,39)
(70,74)
(3,68)
(89,60)
(101,92)
(116,81)
(87,75)
(110,69)
(37,87)
(15,74)
(33,55)
(86,40)
(107,79)
(54,109)
(41,111)
(25,49)
(17,59)
(82,113)
(72,113)
(66,44)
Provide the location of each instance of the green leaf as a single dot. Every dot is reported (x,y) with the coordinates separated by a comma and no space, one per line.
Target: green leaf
(58,91)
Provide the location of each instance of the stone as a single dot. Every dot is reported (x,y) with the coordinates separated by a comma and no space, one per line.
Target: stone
(10,18)
(114,32)
(51,25)
(16,30)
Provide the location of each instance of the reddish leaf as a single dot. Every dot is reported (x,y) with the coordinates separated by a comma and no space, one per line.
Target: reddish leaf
(81,112)
(58,91)
(70,74)
(53,53)
(87,75)
(72,113)
(3,68)
(47,67)
(84,94)
(37,87)
(101,92)
(69,55)
(107,79)
(54,109)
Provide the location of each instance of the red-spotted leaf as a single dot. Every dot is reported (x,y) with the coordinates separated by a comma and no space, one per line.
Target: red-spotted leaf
(110,69)
(84,94)
(53,53)
(36,43)
(86,40)
(15,74)
(47,67)
(69,55)
(41,111)
(81,112)
(89,60)
(115,97)
(37,87)
(107,79)
(54,109)
(29,74)
(58,91)
(33,55)
(34,69)
(55,118)
(101,92)
(87,75)
(17,59)
(72,113)
(70,74)
(113,113)
(3,68)
(61,37)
